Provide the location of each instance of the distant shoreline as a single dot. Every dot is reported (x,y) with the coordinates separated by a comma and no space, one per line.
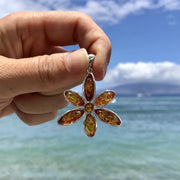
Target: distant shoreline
(144,95)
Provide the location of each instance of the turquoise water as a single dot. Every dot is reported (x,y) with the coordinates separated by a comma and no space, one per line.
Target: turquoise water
(145,147)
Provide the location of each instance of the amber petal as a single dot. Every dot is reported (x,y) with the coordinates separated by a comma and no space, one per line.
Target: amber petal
(104,98)
(89,87)
(74,98)
(90,125)
(70,117)
(108,117)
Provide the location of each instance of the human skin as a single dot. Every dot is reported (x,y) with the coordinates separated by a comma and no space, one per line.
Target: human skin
(35,70)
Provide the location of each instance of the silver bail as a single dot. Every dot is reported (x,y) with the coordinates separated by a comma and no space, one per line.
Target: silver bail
(91,58)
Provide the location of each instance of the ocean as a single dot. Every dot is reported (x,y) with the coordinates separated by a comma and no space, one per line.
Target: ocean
(145,147)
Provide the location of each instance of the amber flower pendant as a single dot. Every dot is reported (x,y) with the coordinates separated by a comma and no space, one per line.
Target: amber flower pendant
(89,108)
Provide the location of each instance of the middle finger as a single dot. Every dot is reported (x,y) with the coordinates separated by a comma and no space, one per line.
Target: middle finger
(38,104)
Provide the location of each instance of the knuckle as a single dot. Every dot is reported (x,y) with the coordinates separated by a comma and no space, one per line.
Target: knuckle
(51,69)
(45,65)
(61,65)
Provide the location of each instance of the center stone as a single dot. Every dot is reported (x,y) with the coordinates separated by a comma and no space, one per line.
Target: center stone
(89,107)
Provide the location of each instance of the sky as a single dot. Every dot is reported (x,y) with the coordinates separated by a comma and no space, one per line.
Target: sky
(145,35)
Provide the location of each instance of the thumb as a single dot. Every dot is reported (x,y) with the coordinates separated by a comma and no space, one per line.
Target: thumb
(42,73)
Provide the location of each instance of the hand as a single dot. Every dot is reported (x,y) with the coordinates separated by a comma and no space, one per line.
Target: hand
(35,70)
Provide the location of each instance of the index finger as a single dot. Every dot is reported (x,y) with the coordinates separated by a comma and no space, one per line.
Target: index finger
(65,28)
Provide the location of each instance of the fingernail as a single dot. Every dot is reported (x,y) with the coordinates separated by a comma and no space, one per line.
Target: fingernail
(105,69)
(77,61)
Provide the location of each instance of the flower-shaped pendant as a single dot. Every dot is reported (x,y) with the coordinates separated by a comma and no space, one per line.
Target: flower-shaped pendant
(86,106)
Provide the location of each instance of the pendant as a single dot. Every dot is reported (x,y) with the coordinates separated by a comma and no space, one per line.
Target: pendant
(87,106)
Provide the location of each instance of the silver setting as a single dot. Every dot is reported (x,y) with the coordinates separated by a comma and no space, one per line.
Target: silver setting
(91,58)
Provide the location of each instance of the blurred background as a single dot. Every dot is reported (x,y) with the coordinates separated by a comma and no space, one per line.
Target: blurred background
(145,73)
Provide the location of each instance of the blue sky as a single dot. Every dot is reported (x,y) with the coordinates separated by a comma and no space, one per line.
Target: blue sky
(149,36)
(145,34)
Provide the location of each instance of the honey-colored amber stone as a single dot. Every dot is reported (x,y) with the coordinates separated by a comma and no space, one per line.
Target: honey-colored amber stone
(108,117)
(104,98)
(90,125)
(89,87)
(89,107)
(71,117)
(74,98)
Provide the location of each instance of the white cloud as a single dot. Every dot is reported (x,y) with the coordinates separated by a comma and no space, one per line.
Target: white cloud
(169,4)
(102,11)
(161,72)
